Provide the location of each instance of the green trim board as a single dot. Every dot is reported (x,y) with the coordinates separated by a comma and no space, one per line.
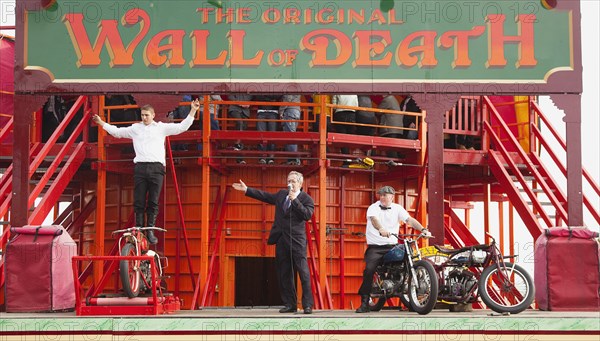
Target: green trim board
(242,45)
(343,322)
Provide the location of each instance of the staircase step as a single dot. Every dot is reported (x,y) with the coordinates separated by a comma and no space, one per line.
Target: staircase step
(526,177)
(521,166)
(551,216)
(534,190)
(543,203)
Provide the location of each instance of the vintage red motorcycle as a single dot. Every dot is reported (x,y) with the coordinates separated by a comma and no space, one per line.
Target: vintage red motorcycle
(136,275)
(482,271)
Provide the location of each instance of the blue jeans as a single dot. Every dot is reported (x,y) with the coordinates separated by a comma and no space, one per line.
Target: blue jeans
(266,126)
(290,114)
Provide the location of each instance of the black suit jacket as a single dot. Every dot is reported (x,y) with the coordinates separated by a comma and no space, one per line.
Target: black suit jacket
(291,221)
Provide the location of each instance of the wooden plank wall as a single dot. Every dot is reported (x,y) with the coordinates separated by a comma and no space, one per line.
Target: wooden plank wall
(247,223)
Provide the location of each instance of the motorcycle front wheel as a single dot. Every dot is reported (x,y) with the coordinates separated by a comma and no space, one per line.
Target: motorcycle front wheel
(129,272)
(506,289)
(376,303)
(423,296)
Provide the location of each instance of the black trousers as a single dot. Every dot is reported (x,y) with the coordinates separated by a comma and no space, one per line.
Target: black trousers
(148,179)
(286,273)
(373,256)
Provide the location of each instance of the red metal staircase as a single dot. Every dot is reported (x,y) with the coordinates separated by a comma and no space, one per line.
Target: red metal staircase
(531,189)
(51,185)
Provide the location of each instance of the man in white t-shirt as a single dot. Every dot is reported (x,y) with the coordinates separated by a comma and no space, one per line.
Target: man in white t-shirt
(383,219)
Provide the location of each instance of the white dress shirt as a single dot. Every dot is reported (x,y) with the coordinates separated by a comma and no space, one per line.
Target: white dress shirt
(390,221)
(149,140)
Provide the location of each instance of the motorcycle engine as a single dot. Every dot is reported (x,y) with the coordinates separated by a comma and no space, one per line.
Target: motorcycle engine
(145,274)
(461,281)
(392,277)
(388,286)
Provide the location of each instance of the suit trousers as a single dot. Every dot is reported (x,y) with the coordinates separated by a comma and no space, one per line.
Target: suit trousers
(148,179)
(290,261)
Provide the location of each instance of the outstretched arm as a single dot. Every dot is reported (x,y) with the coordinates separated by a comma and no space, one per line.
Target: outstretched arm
(98,121)
(178,128)
(414,223)
(240,186)
(119,132)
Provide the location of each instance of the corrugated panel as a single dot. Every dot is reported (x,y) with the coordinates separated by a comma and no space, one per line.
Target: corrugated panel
(248,222)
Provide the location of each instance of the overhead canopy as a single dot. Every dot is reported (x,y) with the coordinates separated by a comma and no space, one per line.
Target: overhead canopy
(300,46)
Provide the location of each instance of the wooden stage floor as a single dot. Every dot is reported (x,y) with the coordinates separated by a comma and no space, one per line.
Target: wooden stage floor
(269,324)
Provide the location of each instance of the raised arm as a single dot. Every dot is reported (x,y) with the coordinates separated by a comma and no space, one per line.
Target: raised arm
(178,128)
(119,132)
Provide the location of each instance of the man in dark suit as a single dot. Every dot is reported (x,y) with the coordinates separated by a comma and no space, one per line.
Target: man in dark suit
(292,209)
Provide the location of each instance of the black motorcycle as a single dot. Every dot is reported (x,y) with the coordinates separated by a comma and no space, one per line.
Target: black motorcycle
(403,274)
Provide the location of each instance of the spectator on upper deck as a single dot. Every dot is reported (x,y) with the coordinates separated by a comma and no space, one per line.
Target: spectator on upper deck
(346,116)
(267,115)
(409,105)
(241,113)
(213,109)
(290,112)
(390,120)
(365,117)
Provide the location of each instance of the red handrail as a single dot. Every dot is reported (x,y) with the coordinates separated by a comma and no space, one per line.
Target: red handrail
(6,129)
(57,133)
(563,144)
(557,205)
(538,134)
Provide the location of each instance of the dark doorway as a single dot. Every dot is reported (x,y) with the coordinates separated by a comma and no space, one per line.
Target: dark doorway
(256,282)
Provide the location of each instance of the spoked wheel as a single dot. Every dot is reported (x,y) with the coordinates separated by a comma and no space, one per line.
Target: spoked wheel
(406,301)
(129,272)
(377,302)
(506,289)
(424,295)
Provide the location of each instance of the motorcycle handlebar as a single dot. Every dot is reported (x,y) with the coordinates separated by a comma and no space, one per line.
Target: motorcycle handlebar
(410,235)
(135,228)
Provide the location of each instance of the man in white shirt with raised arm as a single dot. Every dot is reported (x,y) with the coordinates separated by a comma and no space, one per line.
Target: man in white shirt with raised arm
(148,139)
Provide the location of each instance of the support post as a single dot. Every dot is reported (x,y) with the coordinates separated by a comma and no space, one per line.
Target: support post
(323,192)
(571,105)
(205,209)
(100,218)
(436,106)
(25,105)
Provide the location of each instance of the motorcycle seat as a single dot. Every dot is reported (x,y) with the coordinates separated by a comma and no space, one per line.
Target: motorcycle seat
(451,252)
